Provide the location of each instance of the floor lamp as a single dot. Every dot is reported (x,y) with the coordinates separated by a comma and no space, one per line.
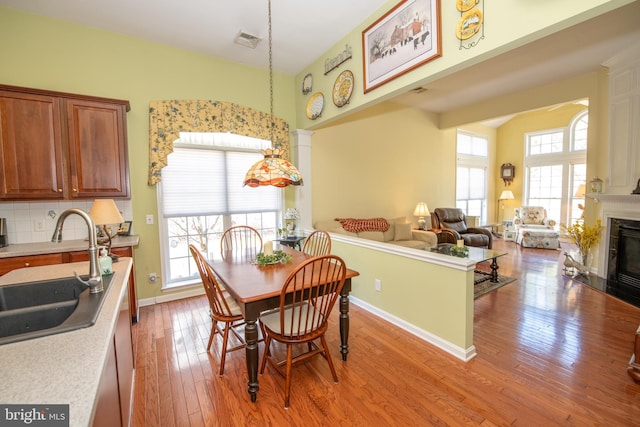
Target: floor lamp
(506,195)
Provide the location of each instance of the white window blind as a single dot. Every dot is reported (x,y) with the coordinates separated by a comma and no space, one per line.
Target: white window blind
(209,182)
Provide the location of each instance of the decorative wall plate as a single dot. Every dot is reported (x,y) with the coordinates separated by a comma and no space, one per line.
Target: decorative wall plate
(315,105)
(469,24)
(464,5)
(307,84)
(343,88)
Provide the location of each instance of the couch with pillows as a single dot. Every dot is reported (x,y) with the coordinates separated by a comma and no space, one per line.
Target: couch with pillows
(397,231)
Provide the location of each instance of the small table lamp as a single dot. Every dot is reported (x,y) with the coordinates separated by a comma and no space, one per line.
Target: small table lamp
(421,211)
(105,212)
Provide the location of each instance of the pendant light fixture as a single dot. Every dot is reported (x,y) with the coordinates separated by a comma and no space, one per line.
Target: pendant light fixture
(273,169)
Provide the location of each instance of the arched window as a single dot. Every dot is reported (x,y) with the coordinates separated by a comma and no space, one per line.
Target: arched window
(555,167)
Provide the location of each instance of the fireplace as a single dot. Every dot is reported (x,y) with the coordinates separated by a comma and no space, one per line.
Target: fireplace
(618,270)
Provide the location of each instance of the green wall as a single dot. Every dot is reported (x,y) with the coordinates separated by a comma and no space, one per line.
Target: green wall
(383,159)
(49,54)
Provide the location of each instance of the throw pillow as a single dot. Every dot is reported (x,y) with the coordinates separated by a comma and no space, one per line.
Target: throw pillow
(403,232)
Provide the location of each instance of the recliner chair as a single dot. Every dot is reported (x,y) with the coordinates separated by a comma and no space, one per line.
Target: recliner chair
(452,222)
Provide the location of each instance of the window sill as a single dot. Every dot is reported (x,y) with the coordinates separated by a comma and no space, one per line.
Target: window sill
(187,284)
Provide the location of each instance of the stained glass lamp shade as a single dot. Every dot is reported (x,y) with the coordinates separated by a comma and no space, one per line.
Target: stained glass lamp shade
(272,170)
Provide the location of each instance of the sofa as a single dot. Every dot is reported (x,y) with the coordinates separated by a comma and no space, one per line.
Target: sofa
(399,232)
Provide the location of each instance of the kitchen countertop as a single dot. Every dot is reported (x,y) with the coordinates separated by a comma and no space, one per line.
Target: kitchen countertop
(40,248)
(65,368)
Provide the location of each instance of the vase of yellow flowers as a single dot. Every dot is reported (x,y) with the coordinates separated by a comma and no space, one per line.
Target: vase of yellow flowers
(585,237)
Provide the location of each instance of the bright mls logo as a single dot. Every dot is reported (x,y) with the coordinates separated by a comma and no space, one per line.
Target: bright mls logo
(34,415)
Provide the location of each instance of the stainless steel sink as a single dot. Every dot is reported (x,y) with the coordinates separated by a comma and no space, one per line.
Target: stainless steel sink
(36,309)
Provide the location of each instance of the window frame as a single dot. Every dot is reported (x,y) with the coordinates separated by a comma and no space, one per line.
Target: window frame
(473,161)
(268,231)
(572,161)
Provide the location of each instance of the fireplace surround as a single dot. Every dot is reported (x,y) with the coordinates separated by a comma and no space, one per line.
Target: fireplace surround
(618,270)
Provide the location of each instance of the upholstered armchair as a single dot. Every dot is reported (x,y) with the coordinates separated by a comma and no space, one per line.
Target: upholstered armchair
(534,217)
(453,223)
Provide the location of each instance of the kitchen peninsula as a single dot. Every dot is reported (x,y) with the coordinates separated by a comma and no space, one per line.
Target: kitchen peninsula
(77,368)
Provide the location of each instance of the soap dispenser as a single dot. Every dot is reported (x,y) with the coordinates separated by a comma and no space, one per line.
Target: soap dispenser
(106,263)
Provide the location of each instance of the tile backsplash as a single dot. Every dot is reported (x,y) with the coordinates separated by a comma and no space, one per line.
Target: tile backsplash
(30,222)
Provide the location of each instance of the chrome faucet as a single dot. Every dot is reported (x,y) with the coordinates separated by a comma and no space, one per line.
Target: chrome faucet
(95,278)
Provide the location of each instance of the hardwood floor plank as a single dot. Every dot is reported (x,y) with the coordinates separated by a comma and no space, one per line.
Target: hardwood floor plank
(551,351)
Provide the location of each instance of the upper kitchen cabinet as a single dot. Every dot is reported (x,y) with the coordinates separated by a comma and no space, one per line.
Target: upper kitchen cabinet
(62,146)
(97,149)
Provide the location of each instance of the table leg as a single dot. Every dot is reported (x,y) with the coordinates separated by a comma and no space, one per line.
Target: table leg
(251,338)
(344,324)
(494,270)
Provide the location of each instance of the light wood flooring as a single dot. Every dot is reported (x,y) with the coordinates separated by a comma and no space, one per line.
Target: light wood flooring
(551,351)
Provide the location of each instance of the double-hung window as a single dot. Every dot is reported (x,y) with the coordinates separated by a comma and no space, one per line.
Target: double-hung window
(471,174)
(202,194)
(555,166)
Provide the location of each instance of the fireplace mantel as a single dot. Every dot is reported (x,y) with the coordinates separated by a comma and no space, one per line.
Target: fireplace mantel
(615,198)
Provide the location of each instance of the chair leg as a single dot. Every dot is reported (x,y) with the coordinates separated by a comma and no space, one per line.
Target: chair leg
(212,334)
(287,381)
(328,357)
(263,364)
(225,337)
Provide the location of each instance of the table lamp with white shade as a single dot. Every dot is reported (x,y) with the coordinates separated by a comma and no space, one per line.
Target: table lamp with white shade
(421,211)
(104,212)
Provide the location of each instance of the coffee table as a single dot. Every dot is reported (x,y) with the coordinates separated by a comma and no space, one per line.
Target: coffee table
(477,255)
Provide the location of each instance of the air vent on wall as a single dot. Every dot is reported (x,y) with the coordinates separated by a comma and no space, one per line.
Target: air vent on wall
(248,40)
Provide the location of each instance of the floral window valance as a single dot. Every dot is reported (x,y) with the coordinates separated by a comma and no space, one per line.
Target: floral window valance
(168,118)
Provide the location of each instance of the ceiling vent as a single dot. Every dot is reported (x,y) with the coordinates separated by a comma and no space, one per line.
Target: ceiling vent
(248,40)
(419,89)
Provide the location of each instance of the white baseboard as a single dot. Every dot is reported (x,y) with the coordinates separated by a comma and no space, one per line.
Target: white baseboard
(187,293)
(459,352)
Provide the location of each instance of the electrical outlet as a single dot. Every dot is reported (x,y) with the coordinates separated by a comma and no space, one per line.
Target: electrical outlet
(38,224)
(378,285)
(149,219)
(153,277)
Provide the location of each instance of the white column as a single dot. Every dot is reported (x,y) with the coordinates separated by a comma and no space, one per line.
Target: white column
(302,145)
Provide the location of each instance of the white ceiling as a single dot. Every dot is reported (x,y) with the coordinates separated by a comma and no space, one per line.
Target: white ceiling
(303,31)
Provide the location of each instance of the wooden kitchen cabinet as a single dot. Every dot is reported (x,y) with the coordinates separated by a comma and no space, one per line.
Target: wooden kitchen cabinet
(31,151)
(55,145)
(14,263)
(115,394)
(97,149)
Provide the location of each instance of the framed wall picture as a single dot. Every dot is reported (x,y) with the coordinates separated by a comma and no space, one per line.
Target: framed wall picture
(125,228)
(406,37)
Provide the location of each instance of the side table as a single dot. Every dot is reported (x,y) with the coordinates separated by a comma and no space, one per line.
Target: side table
(292,241)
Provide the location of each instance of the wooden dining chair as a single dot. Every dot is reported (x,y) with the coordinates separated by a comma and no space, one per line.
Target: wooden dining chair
(240,237)
(223,308)
(307,297)
(317,244)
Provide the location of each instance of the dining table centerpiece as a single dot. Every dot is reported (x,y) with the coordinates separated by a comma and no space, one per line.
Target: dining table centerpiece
(277,257)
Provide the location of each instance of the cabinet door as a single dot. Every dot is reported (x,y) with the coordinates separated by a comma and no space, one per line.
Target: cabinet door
(31,153)
(97,149)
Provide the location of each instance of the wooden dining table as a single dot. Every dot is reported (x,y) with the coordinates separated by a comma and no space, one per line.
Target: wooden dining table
(257,289)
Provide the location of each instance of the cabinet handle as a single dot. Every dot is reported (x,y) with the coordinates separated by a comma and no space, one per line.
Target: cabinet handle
(26,264)
(59,190)
(75,190)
